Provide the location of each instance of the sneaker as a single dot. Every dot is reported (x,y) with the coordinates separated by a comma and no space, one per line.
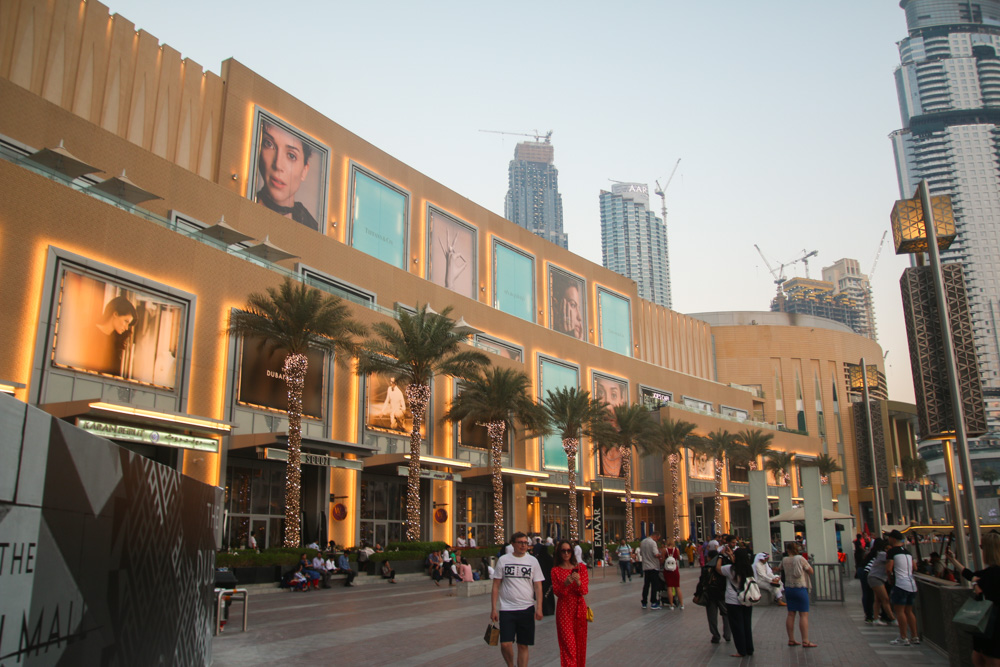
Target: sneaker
(654,606)
(644,605)
(915,641)
(882,623)
(900,641)
(870,621)
(682,607)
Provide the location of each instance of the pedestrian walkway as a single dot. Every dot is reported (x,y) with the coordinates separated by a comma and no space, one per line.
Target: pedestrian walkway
(417,623)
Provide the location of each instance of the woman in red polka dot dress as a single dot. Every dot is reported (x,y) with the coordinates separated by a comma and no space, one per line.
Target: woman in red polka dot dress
(569,583)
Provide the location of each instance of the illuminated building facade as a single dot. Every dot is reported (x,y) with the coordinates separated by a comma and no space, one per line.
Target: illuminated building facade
(115,304)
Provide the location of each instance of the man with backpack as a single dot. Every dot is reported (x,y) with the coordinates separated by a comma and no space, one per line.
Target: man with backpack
(712,589)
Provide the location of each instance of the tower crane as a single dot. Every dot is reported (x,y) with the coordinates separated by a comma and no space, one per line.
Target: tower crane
(779,273)
(661,190)
(537,136)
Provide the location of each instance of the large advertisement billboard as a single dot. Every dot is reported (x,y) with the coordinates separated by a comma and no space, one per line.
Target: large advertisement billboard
(615,322)
(513,281)
(262,383)
(614,392)
(386,407)
(451,253)
(378,218)
(654,399)
(108,328)
(474,434)
(554,375)
(289,171)
(567,303)
(700,466)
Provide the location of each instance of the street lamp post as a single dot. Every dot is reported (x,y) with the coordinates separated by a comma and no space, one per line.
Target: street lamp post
(907,224)
(876,499)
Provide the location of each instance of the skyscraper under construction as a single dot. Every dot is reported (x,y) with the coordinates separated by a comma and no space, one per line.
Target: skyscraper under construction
(533,200)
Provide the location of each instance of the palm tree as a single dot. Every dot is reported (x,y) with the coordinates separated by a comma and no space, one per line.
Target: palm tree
(757,443)
(673,437)
(914,468)
(295,317)
(635,428)
(827,466)
(413,349)
(498,399)
(718,445)
(780,463)
(988,475)
(574,414)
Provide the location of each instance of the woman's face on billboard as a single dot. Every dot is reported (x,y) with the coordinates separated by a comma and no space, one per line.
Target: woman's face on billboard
(121,322)
(282,164)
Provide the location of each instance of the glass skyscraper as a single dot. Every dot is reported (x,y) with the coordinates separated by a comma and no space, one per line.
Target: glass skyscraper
(948,84)
(634,241)
(533,200)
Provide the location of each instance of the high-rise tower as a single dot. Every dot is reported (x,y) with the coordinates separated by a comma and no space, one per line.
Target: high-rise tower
(948,84)
(533,200)
(846,277)
(634,240)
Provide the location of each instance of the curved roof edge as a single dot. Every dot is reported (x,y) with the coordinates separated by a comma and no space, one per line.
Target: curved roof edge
(742,318)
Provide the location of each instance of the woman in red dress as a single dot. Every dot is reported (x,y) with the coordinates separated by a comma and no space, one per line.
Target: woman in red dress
(672,578)
(569,583)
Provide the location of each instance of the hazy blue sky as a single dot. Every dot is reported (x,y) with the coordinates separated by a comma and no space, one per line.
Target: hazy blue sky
(779,110)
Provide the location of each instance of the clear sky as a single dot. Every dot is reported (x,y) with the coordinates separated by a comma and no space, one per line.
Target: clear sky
(779,110)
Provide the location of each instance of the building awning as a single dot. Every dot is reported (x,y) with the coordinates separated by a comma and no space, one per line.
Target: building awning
(505,472)
(279,439)
(438,462)
(96,408)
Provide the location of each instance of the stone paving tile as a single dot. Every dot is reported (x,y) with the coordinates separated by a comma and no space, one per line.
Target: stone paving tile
(416,623)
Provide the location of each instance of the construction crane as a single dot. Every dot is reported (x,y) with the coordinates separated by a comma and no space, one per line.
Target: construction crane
(779,273)
(661,191)
(878,253)
(537,136)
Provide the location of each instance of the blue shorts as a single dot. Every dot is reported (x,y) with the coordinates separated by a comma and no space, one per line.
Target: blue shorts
(902,598)
(797,599)
(518,626)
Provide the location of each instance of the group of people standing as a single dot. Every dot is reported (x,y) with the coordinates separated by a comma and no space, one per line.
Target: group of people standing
(724,590)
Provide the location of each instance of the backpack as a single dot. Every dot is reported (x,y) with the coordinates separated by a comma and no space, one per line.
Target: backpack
(670,564)
(711,583)
(749,594)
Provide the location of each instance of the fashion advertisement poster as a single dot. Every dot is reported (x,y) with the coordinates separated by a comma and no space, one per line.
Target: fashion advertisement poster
(493,346)
(105,328)
(513,282)
(386,406)
(567,303)
(554,376)
(262,382)
(451,250)
(614,392)
(615,322)
(378,219)
(289,171)
(700,466)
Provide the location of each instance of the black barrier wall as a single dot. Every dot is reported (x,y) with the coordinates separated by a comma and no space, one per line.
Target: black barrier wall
(106,558)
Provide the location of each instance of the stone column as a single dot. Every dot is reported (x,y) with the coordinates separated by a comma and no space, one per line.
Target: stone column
(830,527)
(760,528)
(785,505)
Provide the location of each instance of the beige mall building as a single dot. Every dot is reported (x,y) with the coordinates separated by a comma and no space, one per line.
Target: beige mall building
(115,310)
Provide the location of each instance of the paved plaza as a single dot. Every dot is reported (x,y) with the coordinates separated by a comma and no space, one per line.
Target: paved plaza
(418,623)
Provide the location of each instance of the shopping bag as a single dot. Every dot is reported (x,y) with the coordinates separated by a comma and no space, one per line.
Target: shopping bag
(492,636)
(974,616)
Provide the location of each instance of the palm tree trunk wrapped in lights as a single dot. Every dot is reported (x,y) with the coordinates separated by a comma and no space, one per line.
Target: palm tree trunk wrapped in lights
(294,370)
(719,463)
(627,471)
(672,438)
(675,493)
(497,431)
(571,445)
(418,396)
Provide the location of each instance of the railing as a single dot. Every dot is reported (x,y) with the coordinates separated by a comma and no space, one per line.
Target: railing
(225,597)
(827,582)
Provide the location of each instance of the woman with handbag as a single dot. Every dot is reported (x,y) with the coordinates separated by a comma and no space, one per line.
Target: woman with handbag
(569,582)
(672,576)
(985,650)
(797,570)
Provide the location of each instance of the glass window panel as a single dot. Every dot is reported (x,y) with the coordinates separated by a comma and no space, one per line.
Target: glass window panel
(555,376)
(513,282)
(378,500)
(615,322)
(379,225)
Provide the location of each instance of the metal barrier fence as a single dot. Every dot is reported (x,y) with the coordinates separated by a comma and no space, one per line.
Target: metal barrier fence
(827,582)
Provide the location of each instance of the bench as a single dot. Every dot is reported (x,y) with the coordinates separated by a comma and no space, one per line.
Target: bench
(468,589)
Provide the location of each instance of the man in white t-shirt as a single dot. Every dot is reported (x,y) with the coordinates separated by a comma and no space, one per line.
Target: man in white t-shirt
(517,589)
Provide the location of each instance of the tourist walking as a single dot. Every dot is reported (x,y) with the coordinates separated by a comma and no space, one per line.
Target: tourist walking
(516,602)
(797,572)
(899,565)
(672,575)
(649,554)
(740,615)
(712,588)
(570,583)
(985,650)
